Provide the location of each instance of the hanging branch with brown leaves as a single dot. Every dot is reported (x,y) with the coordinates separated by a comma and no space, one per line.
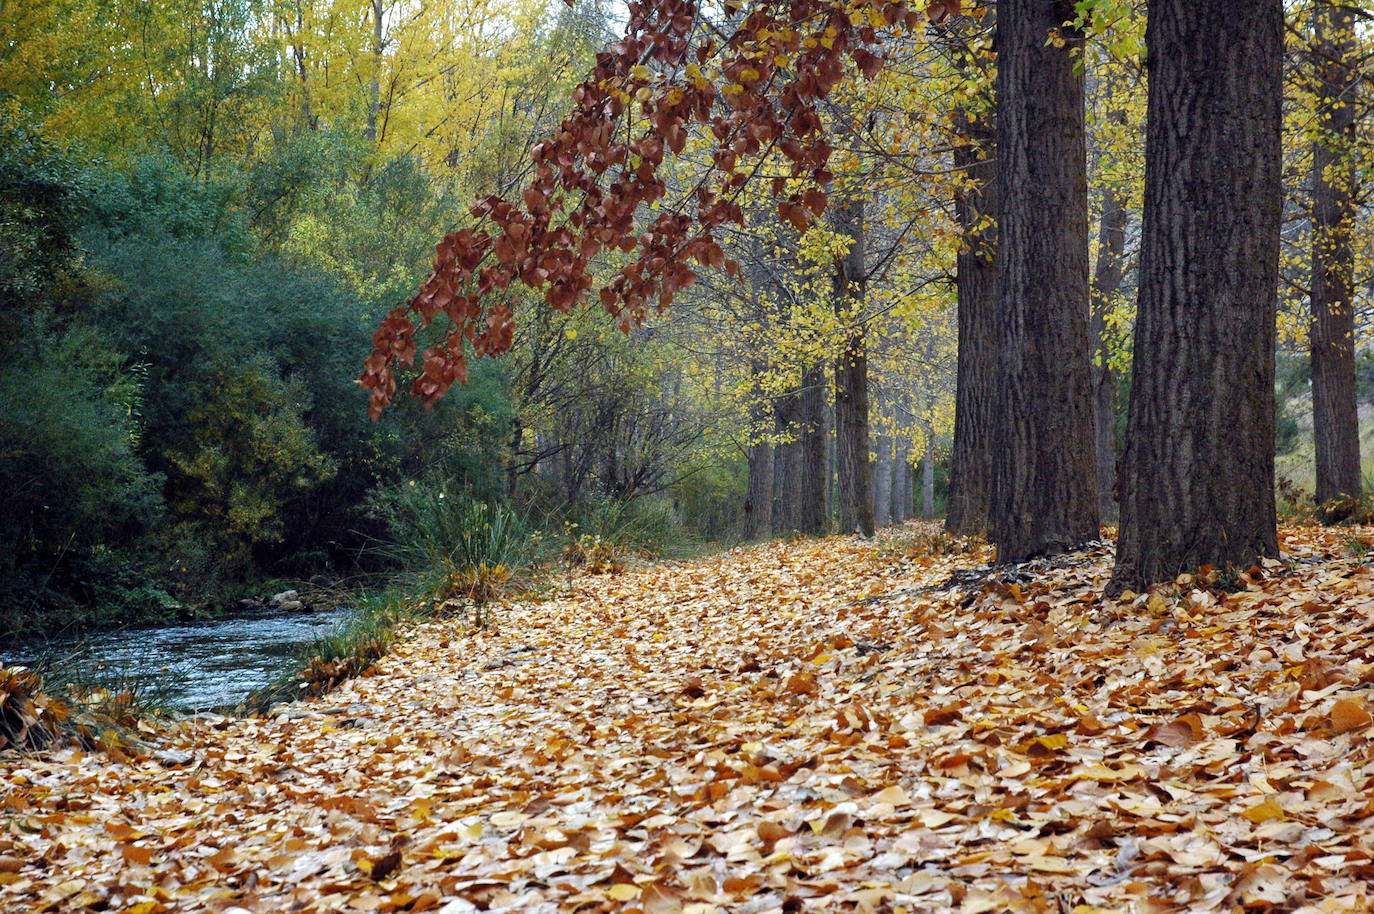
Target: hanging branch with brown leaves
(753,80)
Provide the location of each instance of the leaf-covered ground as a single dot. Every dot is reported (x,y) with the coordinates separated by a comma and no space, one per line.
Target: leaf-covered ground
(799,726)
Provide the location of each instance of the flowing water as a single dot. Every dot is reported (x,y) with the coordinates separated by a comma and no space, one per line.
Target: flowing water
(198,665)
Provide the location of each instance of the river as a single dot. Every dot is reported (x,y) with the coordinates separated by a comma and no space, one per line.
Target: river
(195,666)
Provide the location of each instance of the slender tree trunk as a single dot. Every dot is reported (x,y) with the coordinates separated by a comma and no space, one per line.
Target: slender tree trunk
(1045,498)
(374,85)
(758,501)
(928,479)
(1197,480)
(899,511)
(975,399)
(814,502)
(908,477)
(854,466)
(882,482)
(1111,246)
(1335,414)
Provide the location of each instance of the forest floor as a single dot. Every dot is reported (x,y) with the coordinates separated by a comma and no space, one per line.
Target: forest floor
(817,725)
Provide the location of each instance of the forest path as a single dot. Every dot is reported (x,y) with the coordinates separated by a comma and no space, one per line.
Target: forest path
(796,726)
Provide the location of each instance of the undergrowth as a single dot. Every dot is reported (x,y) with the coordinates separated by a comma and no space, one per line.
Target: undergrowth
(63,700)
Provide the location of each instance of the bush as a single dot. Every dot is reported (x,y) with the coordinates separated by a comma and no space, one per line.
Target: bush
(70,478)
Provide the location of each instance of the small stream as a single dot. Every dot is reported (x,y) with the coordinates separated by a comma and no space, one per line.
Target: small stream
(196,666)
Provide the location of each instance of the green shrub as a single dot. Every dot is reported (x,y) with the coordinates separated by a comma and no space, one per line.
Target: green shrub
(70,477)
(646,525)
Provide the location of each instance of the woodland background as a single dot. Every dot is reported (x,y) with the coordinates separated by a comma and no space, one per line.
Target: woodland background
(207,205)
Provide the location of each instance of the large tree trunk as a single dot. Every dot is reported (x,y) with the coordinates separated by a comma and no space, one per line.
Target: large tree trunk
(813,497)
(1335,415)
(1197,480)
(758,504)
(1111,246)
(975,399)
(882,482)
(1045,498)
(854,467)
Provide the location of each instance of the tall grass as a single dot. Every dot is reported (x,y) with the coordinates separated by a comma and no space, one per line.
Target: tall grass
(63,698)
(443,538)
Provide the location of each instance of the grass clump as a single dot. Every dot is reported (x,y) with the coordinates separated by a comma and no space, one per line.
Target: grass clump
(351,649)
(469,547)
(60,701)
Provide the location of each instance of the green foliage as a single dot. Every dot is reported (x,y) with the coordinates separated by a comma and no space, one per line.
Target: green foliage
(247,454)
(69,475)
(39,208)
(434,528)
(646,525)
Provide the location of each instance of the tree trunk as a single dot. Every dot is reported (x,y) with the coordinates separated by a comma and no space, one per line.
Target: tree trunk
(1111,246)
(758,503)
(813,501)
(1335,415)
(854,466)
(1045,498)
(882,482)
(900,509)
(908,477)
(1197,481)
(374,85)
(975,398)
(928,479)
(787,466)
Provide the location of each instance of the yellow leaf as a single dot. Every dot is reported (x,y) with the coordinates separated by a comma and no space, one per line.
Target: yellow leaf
(1263,812)
(624,891)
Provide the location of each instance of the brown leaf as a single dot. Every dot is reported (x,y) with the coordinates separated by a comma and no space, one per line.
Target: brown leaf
(1350,714)
(384,866)
(1180,733)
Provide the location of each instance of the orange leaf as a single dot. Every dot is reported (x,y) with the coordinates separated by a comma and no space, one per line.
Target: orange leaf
(1350,714)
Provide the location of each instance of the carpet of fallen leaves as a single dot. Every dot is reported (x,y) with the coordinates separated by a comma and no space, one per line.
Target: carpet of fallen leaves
(832,725)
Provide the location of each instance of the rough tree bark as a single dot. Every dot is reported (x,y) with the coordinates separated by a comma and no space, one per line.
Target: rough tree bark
(1045,486)
(970,472)
(1335,414)
(1197,477)
(854,467)
(1107,276)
